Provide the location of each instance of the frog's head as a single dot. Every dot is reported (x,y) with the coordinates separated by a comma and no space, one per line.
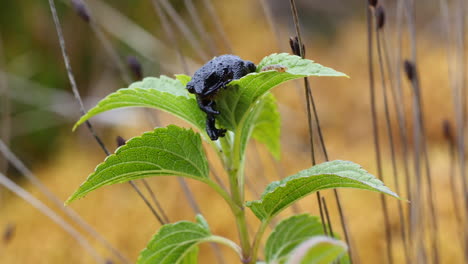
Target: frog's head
(250,66)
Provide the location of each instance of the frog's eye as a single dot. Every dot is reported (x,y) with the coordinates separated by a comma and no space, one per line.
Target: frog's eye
(190,88)
(212,79)
(251,66)
(228,74)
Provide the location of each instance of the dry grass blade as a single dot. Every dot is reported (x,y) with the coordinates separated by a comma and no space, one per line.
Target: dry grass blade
(170,34)
(11,157)
(179,22)
(10,185)
(300,50)
(389,131)
(214,17)
(78,98)
(5,118)
(375,132)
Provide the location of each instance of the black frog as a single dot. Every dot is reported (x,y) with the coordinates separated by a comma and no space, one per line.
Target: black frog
(211,77)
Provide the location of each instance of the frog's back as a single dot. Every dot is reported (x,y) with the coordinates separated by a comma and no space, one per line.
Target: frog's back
(220,65)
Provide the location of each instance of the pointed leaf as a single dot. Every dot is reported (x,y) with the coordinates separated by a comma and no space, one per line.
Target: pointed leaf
(289,233)
(164,151)
(241,103)
(334,174)
(162,93)
(241,94)
(175,244)
(318,250)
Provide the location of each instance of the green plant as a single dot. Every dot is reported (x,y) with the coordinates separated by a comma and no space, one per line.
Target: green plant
(248,110)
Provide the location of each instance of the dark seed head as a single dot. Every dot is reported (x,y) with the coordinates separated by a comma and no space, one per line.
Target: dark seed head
(380,17)
(410,70)
(294,44)
(135,66)
(373,3)
(81,10)
(447,129)
(120,141)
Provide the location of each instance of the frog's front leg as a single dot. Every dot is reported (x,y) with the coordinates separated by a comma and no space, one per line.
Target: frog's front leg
(211,129)
(207,106)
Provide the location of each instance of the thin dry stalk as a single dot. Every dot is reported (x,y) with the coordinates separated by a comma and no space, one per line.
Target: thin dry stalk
(375,132)
(5,110)
(217,22)
(309,100)
(76,93)
(195,17)
(17,164)
(179,22)
(169,32)
(454,188)
(10,185)
(391,142)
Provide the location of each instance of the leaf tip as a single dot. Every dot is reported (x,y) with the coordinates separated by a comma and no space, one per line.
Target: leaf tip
(75,126)
(69,200)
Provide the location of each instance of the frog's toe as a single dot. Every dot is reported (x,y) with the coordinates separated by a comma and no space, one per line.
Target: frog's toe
(222,132)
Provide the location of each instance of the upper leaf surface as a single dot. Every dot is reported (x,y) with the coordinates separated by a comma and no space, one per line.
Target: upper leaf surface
(317,250)
(164,151)
(162,93)
(175,244)
(289,233)
(334,174)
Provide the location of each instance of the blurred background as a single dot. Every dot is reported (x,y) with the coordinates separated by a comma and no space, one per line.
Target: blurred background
(165,37)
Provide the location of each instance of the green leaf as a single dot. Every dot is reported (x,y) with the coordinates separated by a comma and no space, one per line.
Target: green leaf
(289,233)
(175,244)
(178,243)
(240,96)
(242,102)
(162,93)
(334,174)
(164,151)
(318,250)
(191,257)
(268,126)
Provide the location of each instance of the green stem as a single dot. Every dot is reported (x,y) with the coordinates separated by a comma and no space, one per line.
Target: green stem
(225,241)
(234,206)
(234,165)
(258,239)
(240,214)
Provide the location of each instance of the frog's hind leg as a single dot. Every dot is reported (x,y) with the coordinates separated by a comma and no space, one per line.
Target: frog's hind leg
(207,106)
(211,129)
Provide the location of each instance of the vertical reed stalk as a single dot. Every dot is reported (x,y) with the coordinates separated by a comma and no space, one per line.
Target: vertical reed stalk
(391,140)
(310,102)
(76,93)
(375,131)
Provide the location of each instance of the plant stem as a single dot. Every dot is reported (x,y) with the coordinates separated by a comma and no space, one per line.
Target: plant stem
(236,193)
(234,164)
(258,239)
(224,194)
(227,242)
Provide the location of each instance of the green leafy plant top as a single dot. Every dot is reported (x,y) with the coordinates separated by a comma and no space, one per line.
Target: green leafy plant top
(247,109)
